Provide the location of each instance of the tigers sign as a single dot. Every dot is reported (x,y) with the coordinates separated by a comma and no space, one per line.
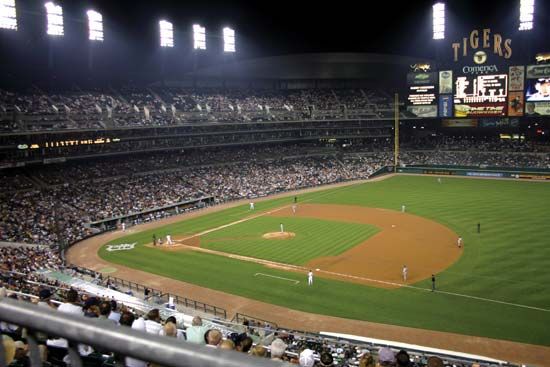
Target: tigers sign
(478,43)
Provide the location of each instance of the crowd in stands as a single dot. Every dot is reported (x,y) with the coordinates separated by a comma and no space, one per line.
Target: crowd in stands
(25,281)
(52,203)
(473,143)
(63,199)
(132,106)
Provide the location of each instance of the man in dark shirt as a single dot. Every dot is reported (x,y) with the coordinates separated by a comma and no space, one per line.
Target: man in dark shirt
(433,282)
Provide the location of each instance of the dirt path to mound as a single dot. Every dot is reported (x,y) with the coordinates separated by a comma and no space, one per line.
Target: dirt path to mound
(85,254)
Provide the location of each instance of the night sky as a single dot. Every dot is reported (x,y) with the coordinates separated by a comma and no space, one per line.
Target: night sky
(263,28)
(267,28)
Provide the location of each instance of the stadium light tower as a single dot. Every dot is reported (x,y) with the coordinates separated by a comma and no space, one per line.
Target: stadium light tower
(95,25)
(199,37)
(438,21)
(8,15)
(526,14)
(166,34)
(228,40)
(55,19)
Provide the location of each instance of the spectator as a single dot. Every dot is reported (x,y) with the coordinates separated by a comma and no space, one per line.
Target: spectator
(277,348)
(72,305)
(195,333)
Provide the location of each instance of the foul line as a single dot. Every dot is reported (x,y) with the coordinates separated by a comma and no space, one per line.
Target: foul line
(273,276)
(436,291)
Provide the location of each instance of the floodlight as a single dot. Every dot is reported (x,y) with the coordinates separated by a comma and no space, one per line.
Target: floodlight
(199,37)
(55,19)
(228,40)
(438,21)
(95,25)
(166,34)
(8,16)
(526,14)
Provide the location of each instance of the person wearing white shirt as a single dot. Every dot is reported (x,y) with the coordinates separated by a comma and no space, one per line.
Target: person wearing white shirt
(71,306)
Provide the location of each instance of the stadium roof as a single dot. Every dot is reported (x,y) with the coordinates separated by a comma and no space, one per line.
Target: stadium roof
(314,66)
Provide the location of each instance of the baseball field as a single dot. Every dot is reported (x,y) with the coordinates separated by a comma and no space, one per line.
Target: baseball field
(356,239)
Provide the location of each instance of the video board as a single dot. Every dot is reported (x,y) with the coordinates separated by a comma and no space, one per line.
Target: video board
(537,90)
(481,95)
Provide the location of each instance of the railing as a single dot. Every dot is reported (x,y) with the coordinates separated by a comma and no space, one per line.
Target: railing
(104,335)
(179,300)
(240,317)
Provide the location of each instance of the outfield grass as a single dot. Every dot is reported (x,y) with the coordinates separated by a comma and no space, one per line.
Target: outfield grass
(508,261)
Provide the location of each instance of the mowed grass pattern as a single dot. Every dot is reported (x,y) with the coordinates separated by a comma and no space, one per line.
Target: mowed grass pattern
(508,261)
(314,238)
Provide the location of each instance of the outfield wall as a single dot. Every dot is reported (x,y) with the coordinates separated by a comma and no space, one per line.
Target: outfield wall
(488,172)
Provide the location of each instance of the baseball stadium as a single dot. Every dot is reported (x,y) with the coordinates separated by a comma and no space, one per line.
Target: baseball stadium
(172,194)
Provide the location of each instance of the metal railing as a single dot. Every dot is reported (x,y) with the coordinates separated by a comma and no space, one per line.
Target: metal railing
(121,340)
(178,300)
(240,317)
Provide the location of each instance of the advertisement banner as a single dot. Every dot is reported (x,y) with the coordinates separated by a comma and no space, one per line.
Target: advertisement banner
(538,71)
(516,77)
(459,123)
(446,82)
(515,103)
(480,110)
(498,122)
(421,95)
(446,105)
(485,174)
(421,78)
(537,109)
(423,111)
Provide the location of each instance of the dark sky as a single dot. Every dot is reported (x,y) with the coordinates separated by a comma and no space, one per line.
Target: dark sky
(263,28)
(282,26)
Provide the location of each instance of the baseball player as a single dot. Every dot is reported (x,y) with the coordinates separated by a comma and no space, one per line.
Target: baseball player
(459,242)
(251,205)
(402,208)
(293,208)
(405,271)
(123,225)
(439,179)
(169,240)
(310,278)
(282,228)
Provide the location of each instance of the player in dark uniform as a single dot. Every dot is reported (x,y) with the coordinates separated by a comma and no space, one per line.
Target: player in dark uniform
(433,282)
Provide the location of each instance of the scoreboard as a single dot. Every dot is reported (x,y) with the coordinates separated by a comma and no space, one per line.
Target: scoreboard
(481,95)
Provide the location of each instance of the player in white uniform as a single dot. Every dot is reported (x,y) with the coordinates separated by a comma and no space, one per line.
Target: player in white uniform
(169,240)
(439,179)
(293,208)
(282,228)
(402,208)
(405,271)
(123,225)
(251,205)
(459,242)
(310,278)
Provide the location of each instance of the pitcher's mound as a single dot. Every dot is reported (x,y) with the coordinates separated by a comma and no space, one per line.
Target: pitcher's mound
(278,235)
